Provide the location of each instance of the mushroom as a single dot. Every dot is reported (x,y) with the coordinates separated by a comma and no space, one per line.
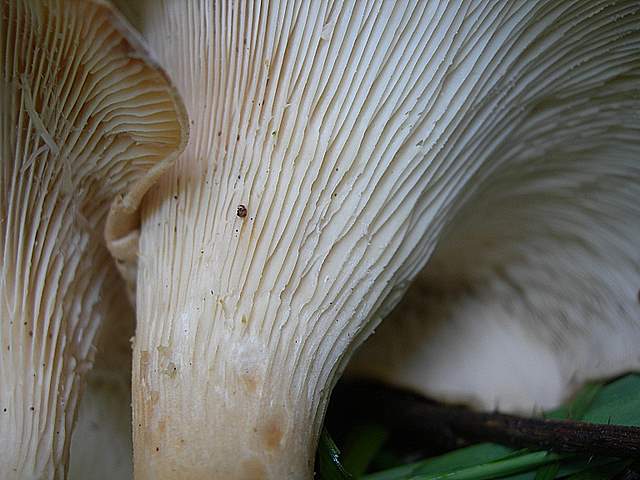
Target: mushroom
(532,287)
(85,115)
(354,135)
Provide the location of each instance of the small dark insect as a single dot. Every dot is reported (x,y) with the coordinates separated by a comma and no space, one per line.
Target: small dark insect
(241,211)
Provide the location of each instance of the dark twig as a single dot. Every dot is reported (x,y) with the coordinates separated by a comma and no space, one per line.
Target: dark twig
(399,409)
(632,472)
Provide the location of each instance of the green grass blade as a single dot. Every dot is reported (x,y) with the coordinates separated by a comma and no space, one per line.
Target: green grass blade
(577,409)
(548,472)
(458,459)
(568,467)
(604,472)
(362,444)
(617,403)
(498,469)
(328,462)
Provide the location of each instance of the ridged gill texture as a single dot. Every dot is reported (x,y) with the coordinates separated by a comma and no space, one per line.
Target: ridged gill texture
(534,286)
(353,133)
(83,117)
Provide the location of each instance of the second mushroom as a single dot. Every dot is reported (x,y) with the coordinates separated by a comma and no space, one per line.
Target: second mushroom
(353,134)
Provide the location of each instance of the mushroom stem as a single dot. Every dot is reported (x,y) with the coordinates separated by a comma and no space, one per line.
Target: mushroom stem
(250,384)
(233,422)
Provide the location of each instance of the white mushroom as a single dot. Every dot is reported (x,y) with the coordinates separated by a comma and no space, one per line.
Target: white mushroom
(533,287)
(334,147)
(84,116)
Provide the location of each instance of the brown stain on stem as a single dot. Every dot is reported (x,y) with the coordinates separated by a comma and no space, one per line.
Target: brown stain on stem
(253,469)
(250,382)
(144,364)
(272,433)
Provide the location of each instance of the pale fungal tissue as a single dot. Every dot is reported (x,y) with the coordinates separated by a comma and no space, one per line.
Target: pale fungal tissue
(84,116)
(337,150)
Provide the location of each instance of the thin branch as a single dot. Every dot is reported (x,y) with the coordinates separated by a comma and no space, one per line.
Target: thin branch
(399,409)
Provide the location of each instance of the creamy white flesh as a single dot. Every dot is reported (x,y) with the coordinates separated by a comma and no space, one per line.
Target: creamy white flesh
(534,286)
(354,133)
(531,292)
(83,117)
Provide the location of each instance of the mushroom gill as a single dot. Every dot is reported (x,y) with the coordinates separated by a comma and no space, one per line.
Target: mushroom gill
(349,135)
(533,286)
(84,116)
